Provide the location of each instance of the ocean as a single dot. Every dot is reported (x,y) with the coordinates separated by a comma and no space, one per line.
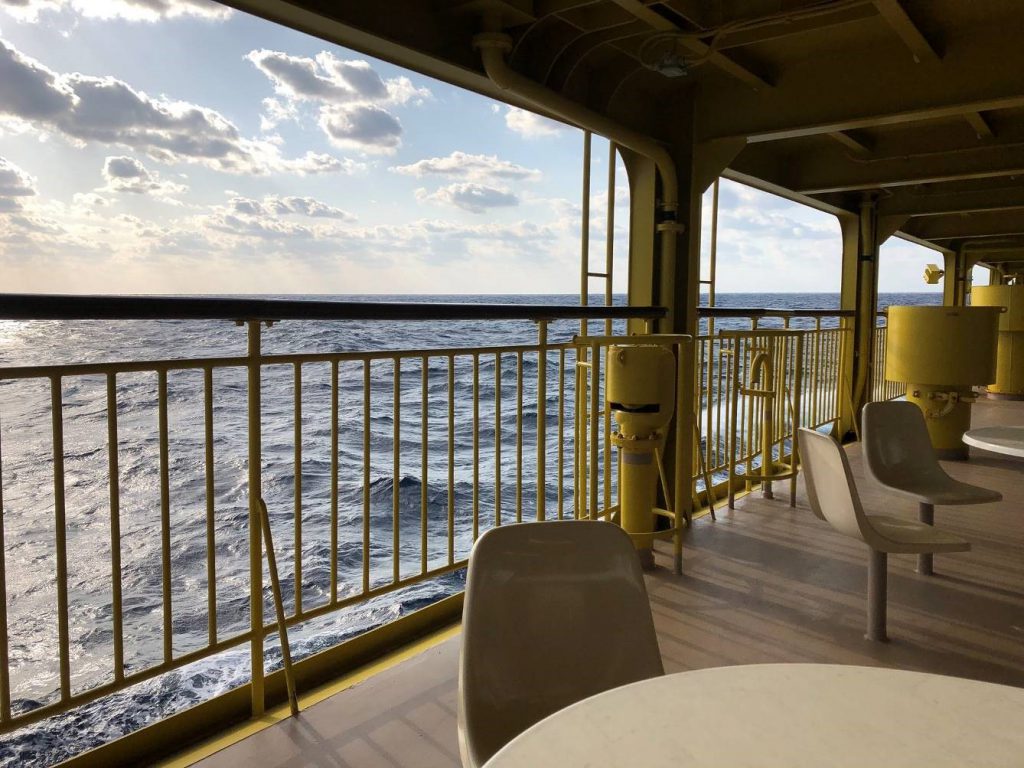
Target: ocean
(28,504)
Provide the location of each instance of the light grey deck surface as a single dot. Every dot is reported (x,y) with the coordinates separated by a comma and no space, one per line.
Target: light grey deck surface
(764,583)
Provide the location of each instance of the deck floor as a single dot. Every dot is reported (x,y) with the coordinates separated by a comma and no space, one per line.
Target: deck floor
(765,583)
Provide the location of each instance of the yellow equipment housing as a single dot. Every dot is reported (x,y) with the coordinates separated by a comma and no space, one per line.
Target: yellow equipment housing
(1009,381)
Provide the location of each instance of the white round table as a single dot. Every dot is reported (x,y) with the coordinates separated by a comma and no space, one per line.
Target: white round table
(782,715)
(1006,440)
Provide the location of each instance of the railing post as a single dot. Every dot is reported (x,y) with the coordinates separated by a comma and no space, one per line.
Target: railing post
(542,416)
(255,542)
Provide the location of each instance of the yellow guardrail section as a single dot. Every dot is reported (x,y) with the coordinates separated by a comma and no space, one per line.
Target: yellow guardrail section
(558,366)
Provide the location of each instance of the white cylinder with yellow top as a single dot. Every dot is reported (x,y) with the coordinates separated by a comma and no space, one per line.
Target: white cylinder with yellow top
(640,393)
(1009,381)
(940,353)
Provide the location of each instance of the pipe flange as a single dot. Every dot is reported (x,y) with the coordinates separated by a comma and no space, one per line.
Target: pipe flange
(671,226)
(488,40)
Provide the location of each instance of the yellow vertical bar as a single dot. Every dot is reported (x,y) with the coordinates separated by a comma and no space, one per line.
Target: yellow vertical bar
(561,433)
(396,476)
(114,474)
(595,408)
(282,627)
(255,458)
(519,437)
(366,476)
(297,488)
(684,475)
(424,451)
(542,417)
(577,445)
(451,459)
(476,446)
(5,678)
(585,230)
(497,439)
(211,542)
(815,372)
(165,515)
(334,483)
(57,418)
(609,234)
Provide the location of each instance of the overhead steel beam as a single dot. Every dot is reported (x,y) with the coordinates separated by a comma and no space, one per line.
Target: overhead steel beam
(980,125)
(850,143)
(816,174)
(902,25)
(849,89)
(941,203)
(964,226)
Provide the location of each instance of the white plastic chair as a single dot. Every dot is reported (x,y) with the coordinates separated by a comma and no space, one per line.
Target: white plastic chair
(898,454)
(554,612)
(833,497)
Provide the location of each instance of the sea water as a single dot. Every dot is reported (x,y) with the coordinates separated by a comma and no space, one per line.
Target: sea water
(28,498)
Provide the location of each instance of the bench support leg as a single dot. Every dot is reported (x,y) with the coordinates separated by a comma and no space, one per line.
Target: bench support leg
(877,584)
(926,514)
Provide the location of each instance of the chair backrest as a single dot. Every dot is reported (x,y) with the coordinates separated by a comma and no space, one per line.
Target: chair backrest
(830,487)
(897,449)
(554,612)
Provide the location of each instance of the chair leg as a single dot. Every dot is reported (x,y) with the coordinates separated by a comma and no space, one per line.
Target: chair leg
(877,584)
(926,514)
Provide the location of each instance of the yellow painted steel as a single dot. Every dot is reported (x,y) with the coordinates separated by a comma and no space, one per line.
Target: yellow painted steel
(396,477)
(476,447)
(366,476)
(333,577)
(542,417)
(61,544)
(282,625)
(165,516)
(117,614)
(1009,381)
(941,352)
(5,659)
(255,457)
(296,489)
(497,439)
(424,456)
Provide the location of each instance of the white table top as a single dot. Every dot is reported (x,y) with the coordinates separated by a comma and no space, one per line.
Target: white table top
(790,715)
(1007,440)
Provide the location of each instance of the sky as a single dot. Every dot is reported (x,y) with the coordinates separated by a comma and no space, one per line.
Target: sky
(178,146)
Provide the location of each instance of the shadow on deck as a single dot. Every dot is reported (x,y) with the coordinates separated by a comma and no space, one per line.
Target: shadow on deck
(765,583)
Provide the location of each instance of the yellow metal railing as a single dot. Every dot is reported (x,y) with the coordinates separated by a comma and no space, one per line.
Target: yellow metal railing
(881,388)
(416,380)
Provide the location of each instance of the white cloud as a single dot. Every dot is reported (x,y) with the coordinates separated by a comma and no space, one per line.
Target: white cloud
(15,185)
(460,165)
(472,197)
(106,110)
(273,205)
(126,174)
(530,125)
(132,10)
(362,127)
(351,96)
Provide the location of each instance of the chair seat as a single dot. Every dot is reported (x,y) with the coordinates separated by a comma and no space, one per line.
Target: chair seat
(944,491)
(902,536)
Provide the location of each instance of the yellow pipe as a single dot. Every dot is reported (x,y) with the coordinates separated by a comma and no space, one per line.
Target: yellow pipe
(366,476)
(165,515)
(396,477)
(334,483)
(297,471)
(542,417)
(115,529)
(257,700)
(497,439)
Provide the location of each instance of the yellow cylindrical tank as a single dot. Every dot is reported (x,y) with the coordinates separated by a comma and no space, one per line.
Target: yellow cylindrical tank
(1009,381)
(640,392)
(940,353)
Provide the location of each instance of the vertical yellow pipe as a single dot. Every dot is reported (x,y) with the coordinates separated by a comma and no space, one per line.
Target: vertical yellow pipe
(424,456)
(334,483)
(609,261)
(476,446)
(497,439)
(366,476)
(297,488)
(165,516)
(519,437)
(542,417)
(396,477)
(561,432)
(585,230)
(5,679)
(211,544)
(114,474)
(282,627)
(56,416)
(451,459)
(255,458)
(595,408)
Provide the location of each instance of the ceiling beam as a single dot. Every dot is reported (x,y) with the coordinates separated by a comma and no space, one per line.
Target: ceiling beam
(786,27)
(940,203)
(716,59)
(818,173)
(850,88)
(850,143)
(964,226)
(979,124)
(902,25)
